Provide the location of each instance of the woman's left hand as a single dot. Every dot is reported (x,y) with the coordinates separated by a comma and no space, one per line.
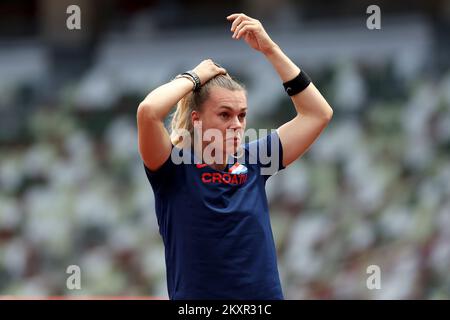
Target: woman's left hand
(252,31)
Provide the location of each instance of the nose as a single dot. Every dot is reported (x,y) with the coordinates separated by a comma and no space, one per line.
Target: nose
(236,123)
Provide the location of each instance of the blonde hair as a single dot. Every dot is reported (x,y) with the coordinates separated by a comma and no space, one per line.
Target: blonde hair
(193,101)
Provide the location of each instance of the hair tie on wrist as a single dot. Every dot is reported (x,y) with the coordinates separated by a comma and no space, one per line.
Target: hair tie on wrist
(298,84)
(186,77)
(195,77)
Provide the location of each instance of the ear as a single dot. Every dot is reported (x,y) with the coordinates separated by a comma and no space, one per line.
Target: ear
(195,116)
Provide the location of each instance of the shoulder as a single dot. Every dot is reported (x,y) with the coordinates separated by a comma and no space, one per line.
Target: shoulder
(170,171)
(266,152)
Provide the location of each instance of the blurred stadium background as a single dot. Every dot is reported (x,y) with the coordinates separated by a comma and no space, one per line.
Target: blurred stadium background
(373,190)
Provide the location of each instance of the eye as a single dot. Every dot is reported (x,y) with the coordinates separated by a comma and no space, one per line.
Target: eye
(224,115)
(242,115)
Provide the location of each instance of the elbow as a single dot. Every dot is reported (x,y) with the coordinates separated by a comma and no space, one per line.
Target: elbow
(329,114)
(143,107)
(320,112)
(326,114)
(146,111)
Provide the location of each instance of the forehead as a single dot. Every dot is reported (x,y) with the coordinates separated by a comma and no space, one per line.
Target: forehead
(220,97)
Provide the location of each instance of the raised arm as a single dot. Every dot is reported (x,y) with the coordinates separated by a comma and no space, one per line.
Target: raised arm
(153,138)
(313,111)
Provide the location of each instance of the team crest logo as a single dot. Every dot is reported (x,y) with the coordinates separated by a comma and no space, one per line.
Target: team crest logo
(238,168)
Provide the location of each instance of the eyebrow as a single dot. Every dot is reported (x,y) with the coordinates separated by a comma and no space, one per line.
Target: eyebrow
(231,109)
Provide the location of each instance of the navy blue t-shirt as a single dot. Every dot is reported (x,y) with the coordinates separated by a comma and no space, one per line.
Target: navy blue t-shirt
(216,226)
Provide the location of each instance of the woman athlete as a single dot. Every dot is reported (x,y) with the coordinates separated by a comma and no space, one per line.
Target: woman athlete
(211,206)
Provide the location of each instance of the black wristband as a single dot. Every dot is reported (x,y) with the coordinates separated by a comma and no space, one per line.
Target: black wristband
(187,77)
(298,84)
(195,77)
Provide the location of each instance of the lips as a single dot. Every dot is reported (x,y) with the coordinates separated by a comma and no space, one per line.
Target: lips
(233,141)
(235,138)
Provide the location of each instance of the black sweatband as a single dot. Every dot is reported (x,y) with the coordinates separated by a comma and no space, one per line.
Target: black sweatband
(195,77)
(187,77)
(298,84)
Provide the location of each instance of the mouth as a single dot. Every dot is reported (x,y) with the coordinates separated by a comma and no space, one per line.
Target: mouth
(234,139)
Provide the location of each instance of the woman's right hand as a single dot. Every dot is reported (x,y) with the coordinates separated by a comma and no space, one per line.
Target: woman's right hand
(207,70)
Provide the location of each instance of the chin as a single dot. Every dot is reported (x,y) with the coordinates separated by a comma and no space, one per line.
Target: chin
(232,148)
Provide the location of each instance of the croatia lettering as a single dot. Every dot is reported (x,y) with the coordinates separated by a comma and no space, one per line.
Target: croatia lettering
(226,178)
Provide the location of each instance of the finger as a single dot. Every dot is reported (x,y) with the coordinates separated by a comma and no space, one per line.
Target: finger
(236,22)
(240,26)
(241,17)
(211,64)
(220,69)
(245,29)
(234,16)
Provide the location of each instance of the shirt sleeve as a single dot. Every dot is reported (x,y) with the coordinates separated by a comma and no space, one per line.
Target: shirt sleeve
(267,152)
(165,175)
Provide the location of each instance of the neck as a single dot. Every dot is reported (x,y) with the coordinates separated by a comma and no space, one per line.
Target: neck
(219,167)
(220,164)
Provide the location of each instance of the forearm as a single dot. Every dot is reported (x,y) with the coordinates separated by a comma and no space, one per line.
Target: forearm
(307,102)
(161,100)
(286,69)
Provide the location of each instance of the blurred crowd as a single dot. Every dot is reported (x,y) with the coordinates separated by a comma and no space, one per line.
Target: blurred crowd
(374,190)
